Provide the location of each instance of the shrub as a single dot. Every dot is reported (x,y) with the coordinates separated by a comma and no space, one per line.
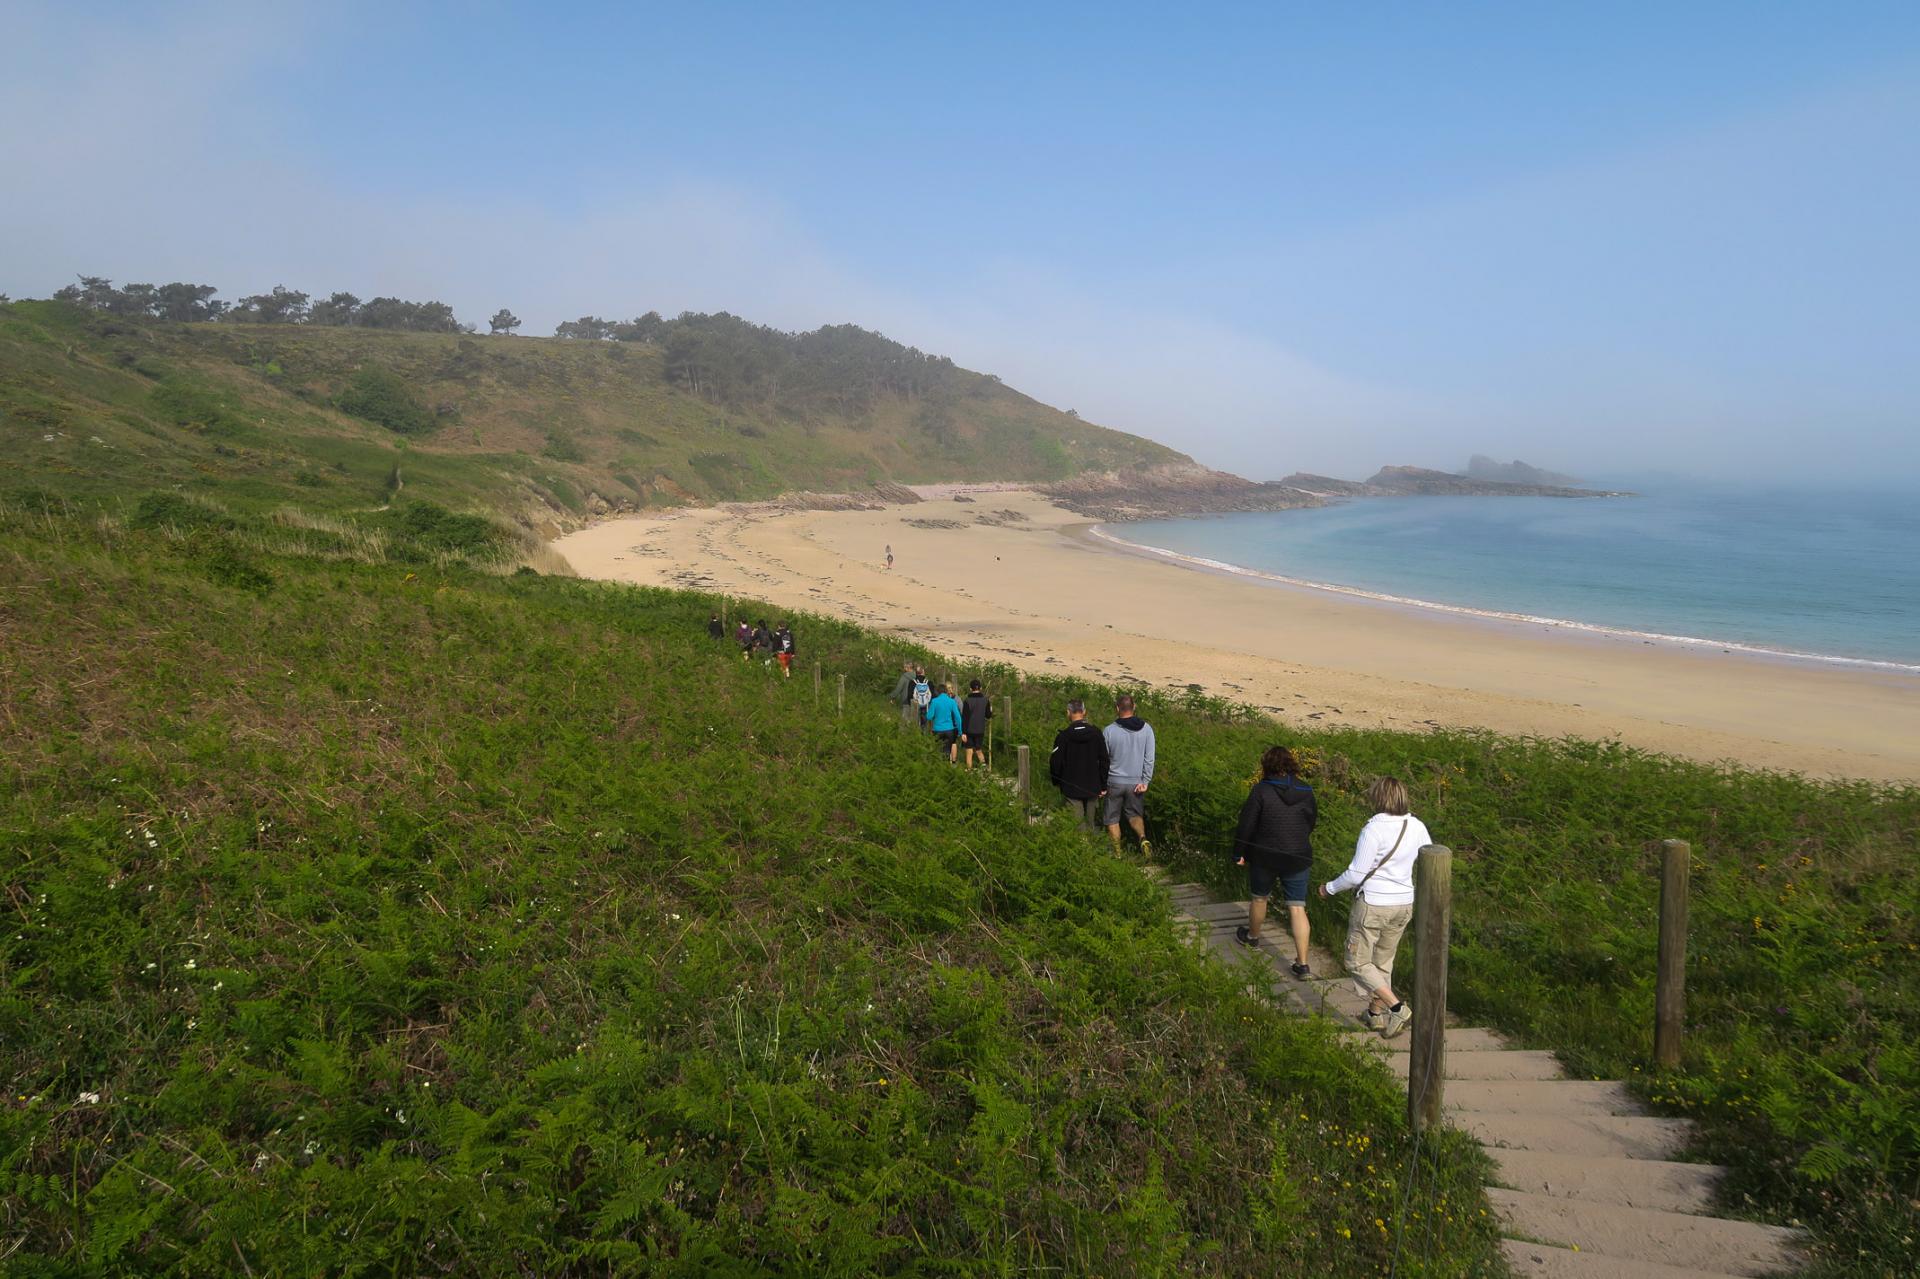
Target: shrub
(381,396)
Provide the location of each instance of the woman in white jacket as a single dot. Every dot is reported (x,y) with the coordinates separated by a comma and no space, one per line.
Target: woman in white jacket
(1382,870)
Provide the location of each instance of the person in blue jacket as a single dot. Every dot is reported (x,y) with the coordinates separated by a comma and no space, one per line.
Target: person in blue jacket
(943,717)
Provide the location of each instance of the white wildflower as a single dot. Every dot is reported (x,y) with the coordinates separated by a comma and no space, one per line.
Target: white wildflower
(192,964)
(261,1160)
(87,1099)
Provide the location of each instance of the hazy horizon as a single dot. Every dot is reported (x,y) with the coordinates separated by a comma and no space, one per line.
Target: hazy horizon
(1644,241)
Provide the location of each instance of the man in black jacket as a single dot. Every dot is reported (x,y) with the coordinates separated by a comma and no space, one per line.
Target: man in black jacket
(1274,841)
(1078,764)
(975,711)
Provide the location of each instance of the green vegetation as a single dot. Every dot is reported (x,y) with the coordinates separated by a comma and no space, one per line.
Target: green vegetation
(257,409)
(376,919)
(1803,973)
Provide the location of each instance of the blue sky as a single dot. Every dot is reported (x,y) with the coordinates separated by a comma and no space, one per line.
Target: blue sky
(1278,236)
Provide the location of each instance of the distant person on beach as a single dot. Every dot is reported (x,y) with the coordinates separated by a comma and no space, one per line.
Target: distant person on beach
(1382,874)
(922,696)
(1078,764)
(1129,772)
(783,648)
(975,711)
(943,717)
(902,695)
(743,636)
(889,554)
(1274,841)
(715,631)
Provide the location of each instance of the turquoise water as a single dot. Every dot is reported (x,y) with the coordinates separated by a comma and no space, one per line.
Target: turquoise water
(1829,574)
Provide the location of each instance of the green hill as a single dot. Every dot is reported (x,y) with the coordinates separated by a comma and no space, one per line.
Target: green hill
(544,430)
(369,921)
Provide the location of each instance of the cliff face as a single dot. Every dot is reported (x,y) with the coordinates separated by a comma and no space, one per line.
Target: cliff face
(1482,467)
(1163,492)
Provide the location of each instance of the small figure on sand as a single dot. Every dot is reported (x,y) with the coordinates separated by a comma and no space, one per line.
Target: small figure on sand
(1274,841)
(889,555)
(1129,772)
(1078,764)
(1382,877)
(975,711)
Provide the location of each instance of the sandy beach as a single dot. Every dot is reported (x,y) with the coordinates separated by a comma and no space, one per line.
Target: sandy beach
(1033,589)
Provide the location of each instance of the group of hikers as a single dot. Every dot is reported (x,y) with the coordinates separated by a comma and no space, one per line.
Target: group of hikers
(757,641)
(1104,775)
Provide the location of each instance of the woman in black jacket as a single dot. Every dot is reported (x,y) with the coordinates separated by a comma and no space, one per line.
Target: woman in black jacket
(1274,842)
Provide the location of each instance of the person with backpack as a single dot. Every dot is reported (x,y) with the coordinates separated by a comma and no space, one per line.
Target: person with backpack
(943,717)
(1129,772)
(975,711)
(1274,841)
(743,636)
(763,642)
(922,697)
(1382,877)
(902,695)
(1078,764)
(784,649)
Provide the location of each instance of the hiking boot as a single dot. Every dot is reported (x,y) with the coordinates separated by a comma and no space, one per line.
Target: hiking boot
(1395,1020)
(1245,938)
(1300,972)
(1374,1018)
(1146,849)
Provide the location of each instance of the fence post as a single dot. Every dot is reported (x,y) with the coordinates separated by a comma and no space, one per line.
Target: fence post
(1024,782)
(1670,981)
(816,683)
(1433,925)
(840,697)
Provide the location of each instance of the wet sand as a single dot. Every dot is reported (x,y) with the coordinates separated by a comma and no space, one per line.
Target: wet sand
(1038,592)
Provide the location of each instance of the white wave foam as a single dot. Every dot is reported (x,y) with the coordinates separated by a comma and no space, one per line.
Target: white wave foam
(1592,628)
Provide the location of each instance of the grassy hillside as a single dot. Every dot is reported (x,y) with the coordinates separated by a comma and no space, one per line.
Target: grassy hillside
(377,915)
(543,429)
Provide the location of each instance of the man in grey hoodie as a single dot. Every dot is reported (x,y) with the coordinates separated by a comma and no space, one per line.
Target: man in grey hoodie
(1129,771)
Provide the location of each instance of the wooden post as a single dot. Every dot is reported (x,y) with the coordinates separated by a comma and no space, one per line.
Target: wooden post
(989,746)
(1432,924)
(1024,782)
(816,683)
(1009,712)
(1670,981)
(840,697)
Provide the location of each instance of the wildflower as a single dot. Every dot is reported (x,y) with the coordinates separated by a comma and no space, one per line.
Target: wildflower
(260,1161)
(150,967)
(87,1099)
(217,985)
(311,1147)
(192,964)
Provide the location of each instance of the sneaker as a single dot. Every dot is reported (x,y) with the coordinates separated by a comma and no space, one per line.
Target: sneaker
(1373,1018)
(1301,972)
(1146,849)
(1245,938)
(1395,1021)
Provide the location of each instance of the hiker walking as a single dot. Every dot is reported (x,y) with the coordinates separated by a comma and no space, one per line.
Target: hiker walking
(1382,875)
(922,696)
(902,695)
(975,711)
(1274,841)
(743,636)
(889,555)
(763,642)
(783,648)
(1078,764)
(1129,771)
(715,631)
(943,717)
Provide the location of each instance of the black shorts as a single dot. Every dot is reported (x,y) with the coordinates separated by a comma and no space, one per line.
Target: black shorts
(974,741)
(1293,884)
(946,737)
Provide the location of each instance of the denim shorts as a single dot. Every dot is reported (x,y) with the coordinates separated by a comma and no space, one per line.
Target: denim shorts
(1261,879)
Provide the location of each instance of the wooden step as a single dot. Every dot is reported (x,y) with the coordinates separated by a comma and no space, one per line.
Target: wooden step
(1610,1136)
(1545,1261)
(1631,1183)
(1712,1244)
(1541,1097)
(1468,1063)
(1459,1039)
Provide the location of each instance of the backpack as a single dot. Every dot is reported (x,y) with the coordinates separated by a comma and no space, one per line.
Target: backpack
(921,694)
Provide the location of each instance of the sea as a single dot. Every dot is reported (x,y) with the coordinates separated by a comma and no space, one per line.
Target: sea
(1826,575)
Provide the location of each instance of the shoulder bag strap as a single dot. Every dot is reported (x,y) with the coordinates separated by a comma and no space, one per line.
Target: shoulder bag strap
(1389,853)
